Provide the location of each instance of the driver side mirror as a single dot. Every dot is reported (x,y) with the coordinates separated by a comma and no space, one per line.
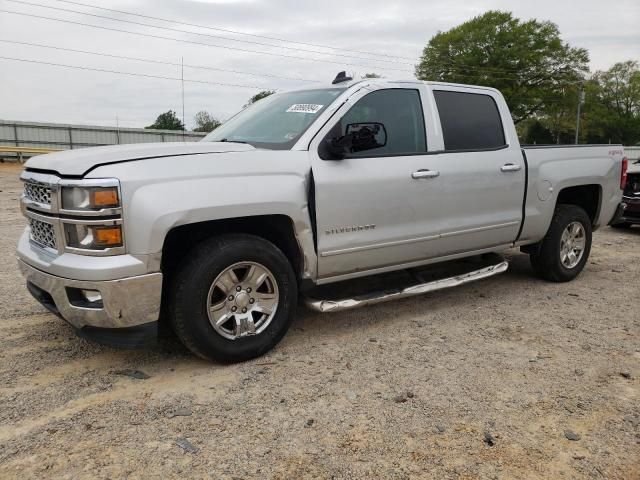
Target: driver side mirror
(359,137)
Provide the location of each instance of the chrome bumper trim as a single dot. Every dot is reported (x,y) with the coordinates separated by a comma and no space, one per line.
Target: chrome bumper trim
(127,302)
(379,297)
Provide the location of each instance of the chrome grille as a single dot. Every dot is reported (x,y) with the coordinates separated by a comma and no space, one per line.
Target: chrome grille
(38,192)
(42,233)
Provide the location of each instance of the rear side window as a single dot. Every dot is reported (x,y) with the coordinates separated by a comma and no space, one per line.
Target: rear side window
(470,121)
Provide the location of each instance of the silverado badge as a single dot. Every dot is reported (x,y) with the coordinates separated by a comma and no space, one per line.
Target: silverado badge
(350,228)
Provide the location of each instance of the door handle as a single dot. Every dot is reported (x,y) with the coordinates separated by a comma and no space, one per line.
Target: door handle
(425,174)
(510,167)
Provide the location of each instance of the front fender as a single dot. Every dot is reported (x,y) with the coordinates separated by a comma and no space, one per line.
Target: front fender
(170,192)
(156,209)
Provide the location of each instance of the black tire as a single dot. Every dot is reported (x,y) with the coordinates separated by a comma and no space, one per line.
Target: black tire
(546,262)
(189,297)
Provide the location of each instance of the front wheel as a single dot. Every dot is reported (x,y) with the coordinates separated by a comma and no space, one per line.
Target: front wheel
(564,250)
(233,299)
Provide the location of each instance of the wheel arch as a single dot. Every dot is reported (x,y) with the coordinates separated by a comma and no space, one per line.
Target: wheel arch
(588,197)
(278,229)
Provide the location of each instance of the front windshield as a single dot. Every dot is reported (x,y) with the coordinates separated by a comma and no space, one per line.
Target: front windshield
(277,121)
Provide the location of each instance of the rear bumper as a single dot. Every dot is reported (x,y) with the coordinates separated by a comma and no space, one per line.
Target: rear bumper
(125,303)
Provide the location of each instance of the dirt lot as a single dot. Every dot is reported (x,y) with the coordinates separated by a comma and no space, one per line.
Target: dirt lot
(482,381)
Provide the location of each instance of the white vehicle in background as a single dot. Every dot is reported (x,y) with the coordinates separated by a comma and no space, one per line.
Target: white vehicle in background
(303,189)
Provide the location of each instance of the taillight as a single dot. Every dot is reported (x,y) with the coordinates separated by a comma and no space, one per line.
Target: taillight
(623,174)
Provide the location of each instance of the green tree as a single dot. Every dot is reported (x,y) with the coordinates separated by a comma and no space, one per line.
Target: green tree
(205,122)
(559,116)
(259,96)
(167,121)
(532,131)
(612,105)
(526,60)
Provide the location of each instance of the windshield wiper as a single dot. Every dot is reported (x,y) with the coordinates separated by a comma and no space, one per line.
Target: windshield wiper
(232,141)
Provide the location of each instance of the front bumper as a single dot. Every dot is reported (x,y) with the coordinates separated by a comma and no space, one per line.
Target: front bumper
(126,302)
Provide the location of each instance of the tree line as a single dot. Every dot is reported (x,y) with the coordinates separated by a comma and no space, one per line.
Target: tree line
(203,120)
(542,77)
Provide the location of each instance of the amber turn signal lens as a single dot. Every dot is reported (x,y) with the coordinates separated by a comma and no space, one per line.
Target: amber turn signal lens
(109,236)
(105,198)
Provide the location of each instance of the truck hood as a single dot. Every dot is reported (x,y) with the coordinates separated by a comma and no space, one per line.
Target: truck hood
(80,162)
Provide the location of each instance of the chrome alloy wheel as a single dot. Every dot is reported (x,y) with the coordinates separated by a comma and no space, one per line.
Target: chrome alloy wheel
(242,300)
(572,244)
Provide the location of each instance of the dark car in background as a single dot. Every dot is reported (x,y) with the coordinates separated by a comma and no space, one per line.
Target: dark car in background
(631,197)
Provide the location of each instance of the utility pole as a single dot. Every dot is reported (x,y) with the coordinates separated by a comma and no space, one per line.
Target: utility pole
(184,125)
(580,102)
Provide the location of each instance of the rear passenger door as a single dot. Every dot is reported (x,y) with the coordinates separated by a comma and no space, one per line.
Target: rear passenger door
(482,171)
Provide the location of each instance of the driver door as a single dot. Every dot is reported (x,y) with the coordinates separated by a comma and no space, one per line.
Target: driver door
(374,207)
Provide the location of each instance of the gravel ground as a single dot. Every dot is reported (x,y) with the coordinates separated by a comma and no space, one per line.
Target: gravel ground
(510,377)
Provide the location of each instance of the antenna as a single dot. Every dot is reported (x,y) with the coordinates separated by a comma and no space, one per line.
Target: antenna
(341,77)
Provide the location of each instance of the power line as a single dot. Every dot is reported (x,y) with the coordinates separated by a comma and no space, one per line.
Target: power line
(202,67)
(201,34)
(234,31)
(489,76)
(452,62)
(160,77)
(132,74)
(148,60)
(456,63)
(460,71)
(192,42)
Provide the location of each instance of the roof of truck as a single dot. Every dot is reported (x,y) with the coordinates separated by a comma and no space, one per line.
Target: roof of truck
(389,81)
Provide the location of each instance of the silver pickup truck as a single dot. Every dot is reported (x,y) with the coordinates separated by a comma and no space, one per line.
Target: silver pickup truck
(299,190)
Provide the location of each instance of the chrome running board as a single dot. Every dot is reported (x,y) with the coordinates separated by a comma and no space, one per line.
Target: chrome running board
(419,289)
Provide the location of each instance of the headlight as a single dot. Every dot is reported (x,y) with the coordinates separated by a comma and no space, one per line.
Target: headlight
(93,237)
(90,198)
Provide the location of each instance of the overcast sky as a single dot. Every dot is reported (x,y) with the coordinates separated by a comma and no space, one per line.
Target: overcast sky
(609,30)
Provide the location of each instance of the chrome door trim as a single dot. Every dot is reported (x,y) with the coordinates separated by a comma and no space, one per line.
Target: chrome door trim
(378,245)
(479,229)
(416,239)
(413,264)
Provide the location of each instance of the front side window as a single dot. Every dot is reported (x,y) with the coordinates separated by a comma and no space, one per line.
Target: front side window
(400,111)
(277,121)
(470,121)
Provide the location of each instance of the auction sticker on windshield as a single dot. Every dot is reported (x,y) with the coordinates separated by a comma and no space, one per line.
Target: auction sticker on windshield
(304,108)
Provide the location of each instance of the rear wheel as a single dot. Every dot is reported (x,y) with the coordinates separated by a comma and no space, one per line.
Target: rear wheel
(565,248)
(234,298)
